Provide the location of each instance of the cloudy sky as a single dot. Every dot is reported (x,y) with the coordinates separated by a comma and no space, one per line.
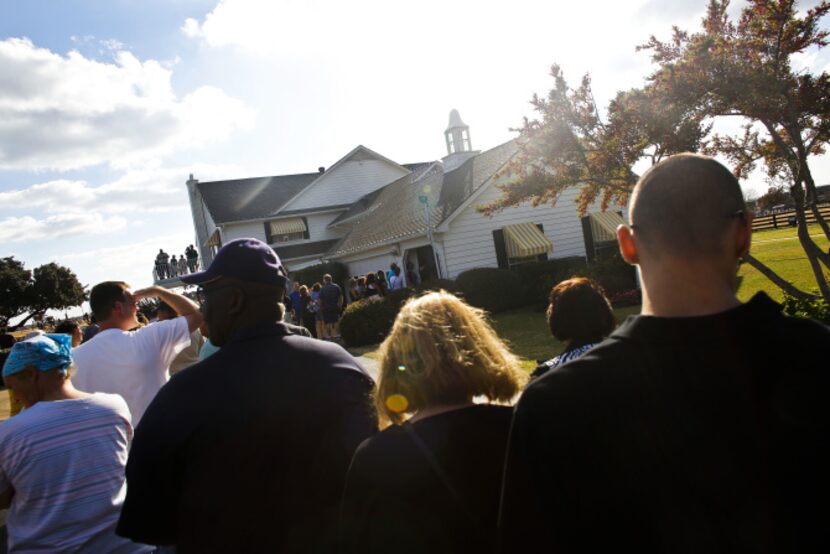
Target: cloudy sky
(106,107)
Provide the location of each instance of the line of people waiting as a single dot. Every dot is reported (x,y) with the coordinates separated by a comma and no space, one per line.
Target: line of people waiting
(686,429)
(319,307)
(167,267)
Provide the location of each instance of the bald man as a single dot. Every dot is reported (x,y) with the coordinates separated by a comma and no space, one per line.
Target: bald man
(701,425)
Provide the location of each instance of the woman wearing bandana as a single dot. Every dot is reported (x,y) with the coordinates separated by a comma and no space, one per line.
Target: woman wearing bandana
(62,458)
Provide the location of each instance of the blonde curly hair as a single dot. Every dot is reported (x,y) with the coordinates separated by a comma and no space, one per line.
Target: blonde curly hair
(442,351)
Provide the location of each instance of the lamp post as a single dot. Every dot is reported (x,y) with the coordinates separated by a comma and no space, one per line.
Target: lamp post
(424,199)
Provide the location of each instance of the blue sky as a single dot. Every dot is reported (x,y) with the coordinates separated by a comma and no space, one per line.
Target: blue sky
(107,106)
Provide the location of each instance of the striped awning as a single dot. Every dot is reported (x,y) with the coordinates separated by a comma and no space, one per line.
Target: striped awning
(604,226)
(525,239)
(214,239)
(287,226)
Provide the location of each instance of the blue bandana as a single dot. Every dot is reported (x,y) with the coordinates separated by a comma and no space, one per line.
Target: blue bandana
(45,352)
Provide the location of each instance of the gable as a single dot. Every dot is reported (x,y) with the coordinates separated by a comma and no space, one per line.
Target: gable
(357,174)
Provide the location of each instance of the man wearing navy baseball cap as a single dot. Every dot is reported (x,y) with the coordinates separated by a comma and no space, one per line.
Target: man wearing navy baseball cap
(247,450)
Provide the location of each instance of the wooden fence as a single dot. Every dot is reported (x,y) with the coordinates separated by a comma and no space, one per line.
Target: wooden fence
(787,219)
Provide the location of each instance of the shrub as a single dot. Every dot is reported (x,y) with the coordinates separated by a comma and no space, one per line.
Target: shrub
(368,321)
(438,284)
(314,273)
(817,309)
(539,277)
(494,290)
(613,273)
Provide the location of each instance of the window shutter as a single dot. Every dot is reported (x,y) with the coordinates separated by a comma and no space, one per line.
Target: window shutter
(501,250)
(306,235)
(588,236)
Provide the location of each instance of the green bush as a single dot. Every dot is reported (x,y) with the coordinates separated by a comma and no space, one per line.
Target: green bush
(314,274)
(539,277)
(368,321)
(613,273)
(494,290)
(817,309)
(438,284)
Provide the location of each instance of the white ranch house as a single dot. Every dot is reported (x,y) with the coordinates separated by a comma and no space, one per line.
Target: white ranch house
(368,211)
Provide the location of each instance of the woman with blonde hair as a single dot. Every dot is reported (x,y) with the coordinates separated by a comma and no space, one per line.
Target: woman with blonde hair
(430,482)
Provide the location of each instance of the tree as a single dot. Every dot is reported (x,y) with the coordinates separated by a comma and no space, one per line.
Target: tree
(740,70)
(48,287)
(15,280)
(775,196)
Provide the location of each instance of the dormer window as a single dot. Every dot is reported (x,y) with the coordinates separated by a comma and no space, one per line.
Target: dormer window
(286,230)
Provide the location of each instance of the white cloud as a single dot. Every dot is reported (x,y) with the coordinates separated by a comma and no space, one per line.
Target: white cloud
(27,228)
(131,262)
(72,112)
(150,189)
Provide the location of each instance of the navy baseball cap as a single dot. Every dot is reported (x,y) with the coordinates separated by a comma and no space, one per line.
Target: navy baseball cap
(244,259)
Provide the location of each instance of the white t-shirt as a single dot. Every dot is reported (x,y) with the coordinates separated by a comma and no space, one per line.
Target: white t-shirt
(134,364)
(65,461)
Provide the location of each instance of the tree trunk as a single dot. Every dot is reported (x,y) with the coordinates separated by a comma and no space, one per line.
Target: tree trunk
(779,281)
(810,247)
(23,322)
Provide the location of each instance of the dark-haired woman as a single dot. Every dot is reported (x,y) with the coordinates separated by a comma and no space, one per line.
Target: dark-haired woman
(579,315)
(307,316)
(371,286)
(383,287)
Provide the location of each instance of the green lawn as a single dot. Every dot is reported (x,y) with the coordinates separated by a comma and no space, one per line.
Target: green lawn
(782,252)
(526,332)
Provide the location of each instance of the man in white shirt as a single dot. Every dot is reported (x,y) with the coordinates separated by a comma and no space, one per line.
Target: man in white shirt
(127,359)
(189,355)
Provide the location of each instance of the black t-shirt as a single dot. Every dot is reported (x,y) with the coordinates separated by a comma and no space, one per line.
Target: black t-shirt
(701,434)
(247,451)
(428,487)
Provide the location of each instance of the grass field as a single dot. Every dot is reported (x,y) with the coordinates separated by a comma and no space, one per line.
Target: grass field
(782,252)
(526,332)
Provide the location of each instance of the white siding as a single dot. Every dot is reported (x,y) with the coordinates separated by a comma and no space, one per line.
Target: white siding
(469,240)
(372,261)
(318,226)
(243,230)
(346,183)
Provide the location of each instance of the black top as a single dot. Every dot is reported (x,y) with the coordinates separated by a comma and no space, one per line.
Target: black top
(704,434)
(430,487)
(247,451)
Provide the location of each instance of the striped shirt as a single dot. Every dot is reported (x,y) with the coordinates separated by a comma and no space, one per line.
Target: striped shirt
(65,461)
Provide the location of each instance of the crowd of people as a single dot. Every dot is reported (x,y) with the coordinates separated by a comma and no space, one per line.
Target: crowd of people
(318,307)
(167,267)
(686,429)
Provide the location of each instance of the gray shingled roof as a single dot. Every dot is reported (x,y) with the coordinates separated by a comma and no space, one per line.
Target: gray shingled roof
(304,249)
(255,198)
(367,200)
(395,213)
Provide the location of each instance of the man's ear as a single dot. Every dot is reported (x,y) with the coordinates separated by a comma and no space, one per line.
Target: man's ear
(743,236)
(236,301)
(628,249)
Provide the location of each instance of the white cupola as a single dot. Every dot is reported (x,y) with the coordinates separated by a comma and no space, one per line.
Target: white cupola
(459,147)
(457,135)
